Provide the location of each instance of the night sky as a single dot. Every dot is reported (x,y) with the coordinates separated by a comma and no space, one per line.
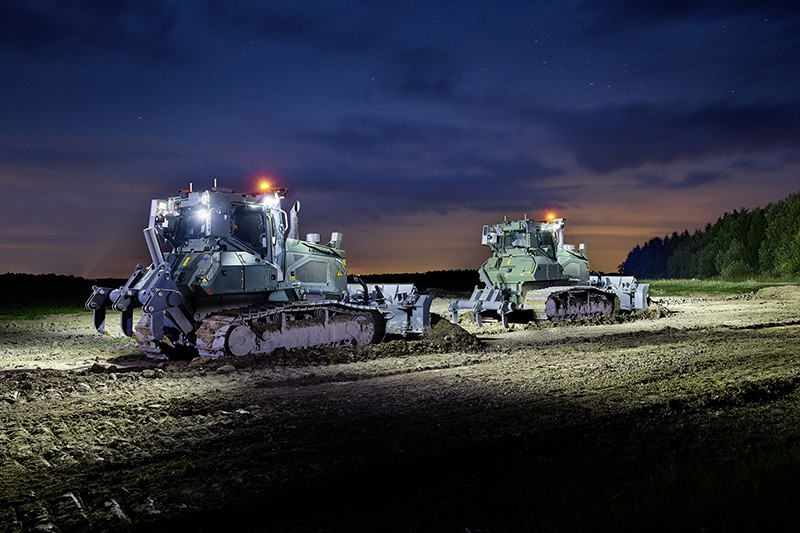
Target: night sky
(406,125)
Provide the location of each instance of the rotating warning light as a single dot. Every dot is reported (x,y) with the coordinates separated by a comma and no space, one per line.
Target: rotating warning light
(263,186)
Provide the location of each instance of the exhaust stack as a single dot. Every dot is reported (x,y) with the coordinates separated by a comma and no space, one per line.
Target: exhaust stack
(294,223)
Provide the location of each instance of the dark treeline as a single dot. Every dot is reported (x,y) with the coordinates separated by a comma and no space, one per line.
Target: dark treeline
(763,242)
(445,280)
(52,289)
(49,289)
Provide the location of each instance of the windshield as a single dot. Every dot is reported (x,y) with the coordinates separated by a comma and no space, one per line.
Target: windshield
(514,239)
(190,224)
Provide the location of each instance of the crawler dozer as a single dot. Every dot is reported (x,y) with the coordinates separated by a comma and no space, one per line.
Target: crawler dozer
(238,280)
(532,272)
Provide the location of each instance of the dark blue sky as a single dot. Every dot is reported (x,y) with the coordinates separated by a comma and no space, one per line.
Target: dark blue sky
(406,125)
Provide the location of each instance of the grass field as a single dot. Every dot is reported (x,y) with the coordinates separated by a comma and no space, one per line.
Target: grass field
(36,311)
(689,287)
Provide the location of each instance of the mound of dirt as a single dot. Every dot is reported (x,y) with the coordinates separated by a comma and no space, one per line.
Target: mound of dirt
(467,318)
(783,292)
(446,336)
(654,310)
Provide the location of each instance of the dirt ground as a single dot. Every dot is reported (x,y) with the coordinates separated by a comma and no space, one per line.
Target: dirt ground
(682,418)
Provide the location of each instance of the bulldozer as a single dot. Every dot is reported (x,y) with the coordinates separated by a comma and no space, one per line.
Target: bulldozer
(533,273)
(238,280)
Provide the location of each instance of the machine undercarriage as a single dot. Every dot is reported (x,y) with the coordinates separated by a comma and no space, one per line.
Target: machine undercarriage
(261,331)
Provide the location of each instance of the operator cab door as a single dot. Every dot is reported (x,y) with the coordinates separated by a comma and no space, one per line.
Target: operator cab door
(251,227)
(547,243)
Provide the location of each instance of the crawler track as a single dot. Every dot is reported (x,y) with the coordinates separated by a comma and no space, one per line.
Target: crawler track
(557,304)
(263,330)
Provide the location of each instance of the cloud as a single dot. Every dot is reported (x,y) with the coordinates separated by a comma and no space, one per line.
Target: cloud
(357,27)
(482,182)
(698,179)
(374,166)
(607,16)
(57,155)
(737,51)
(372,135)
(405,65)
(287,22)
(143,31)
(692,180)
(424,71)
(610,138)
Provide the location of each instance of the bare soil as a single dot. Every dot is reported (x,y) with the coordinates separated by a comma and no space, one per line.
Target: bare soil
(681,418)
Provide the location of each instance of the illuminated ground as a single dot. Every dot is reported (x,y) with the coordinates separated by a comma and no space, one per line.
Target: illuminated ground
(686,421)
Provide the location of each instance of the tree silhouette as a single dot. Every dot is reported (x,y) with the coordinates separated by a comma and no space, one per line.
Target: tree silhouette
(744,243)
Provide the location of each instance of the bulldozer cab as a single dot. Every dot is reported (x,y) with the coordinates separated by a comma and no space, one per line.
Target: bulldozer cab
(503,238)
(221,227)
(521,235)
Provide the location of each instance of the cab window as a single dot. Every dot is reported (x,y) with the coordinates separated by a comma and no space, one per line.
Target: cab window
(248,226)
